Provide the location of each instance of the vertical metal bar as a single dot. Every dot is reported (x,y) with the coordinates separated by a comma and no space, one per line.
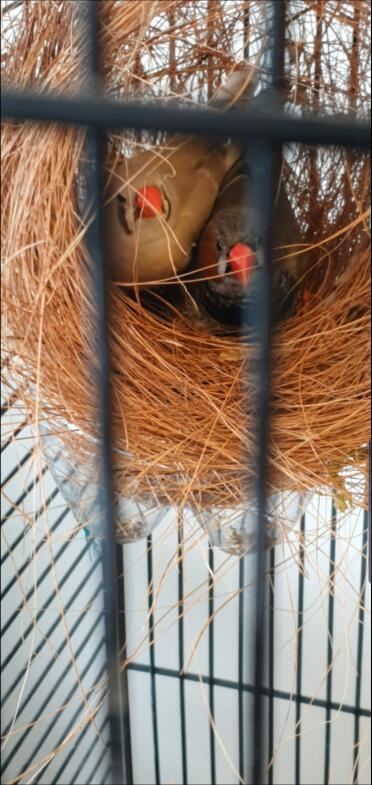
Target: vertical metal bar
(241,649)
(122,635)
(276,13)
(152,660)
(260,320)
(271,665)
(300,621)
(241,615)
(369,510)
(358,684)
(118,698)
(181,647)
(263,317)
(212,740)
(246,28)
(331,601)
(181,651)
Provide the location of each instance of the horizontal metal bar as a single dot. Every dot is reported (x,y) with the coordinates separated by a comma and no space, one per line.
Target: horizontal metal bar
(103,113)
(235,685)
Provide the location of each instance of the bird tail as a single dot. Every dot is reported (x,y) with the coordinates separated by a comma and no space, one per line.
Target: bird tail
(238,88)
(232,156)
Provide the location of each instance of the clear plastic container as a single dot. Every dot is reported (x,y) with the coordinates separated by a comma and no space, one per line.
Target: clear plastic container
(234,529)
(78,483)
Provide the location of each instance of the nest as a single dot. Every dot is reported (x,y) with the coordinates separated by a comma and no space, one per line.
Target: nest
(181,414)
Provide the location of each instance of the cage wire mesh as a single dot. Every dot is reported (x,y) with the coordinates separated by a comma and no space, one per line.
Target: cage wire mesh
(187,605)
(53,660)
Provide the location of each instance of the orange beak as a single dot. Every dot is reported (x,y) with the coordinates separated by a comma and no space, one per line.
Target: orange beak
(149,201)
(241,258)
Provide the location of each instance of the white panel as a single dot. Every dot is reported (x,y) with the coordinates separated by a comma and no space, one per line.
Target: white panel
(316,595)
(136,600)
(249,618)
(141,728)
(227,735)
(226,601)
(347,588)
(284,742)
(342,739)
(366,663)
(197,734)
(312,745)
(196,574)
(169,728)
(365,751)
(165,591)
(248,735)
(285,620)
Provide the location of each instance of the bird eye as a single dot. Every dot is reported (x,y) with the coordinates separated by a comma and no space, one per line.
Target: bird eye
(121,198)
(219,246)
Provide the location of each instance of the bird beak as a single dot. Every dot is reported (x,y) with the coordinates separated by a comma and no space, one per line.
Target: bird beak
(149,202)
(241,259)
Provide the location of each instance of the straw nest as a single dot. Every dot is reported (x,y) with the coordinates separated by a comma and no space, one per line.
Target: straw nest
(179,403)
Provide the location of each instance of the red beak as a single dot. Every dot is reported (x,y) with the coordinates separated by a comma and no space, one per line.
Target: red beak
(149,201)
(241,258)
